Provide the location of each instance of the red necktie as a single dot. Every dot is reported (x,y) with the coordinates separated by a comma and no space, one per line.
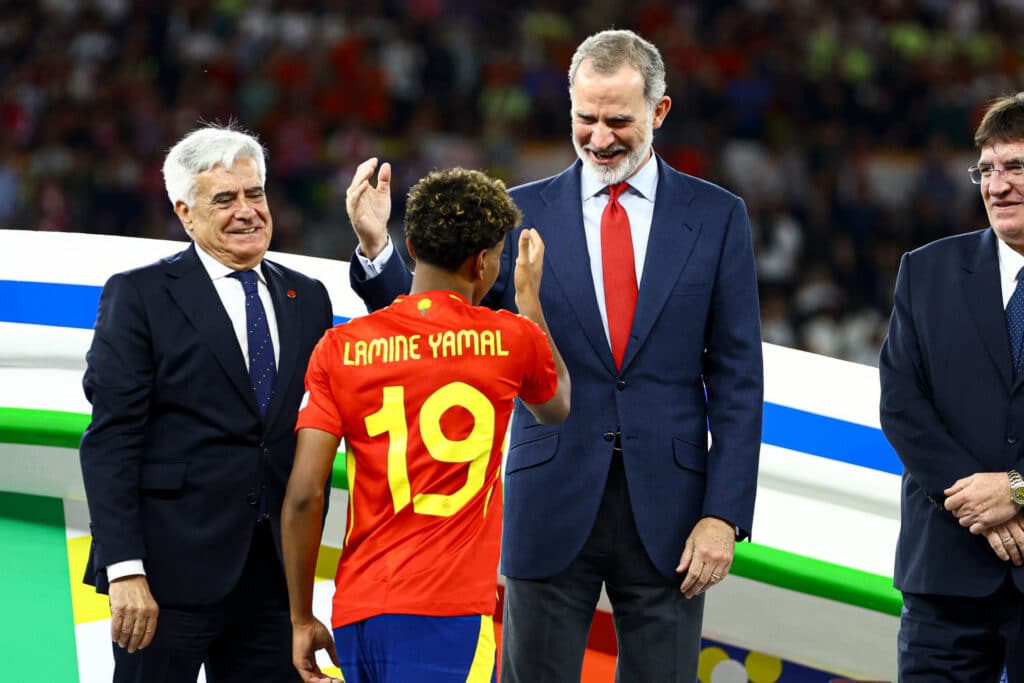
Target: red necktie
(619,271)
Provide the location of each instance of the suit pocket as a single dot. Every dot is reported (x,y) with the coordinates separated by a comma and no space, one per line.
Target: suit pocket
(532,452)
(690,456)
(163,476)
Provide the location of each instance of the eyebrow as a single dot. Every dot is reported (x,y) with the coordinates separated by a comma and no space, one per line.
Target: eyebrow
(228,194)
(1014,161)
(616,118)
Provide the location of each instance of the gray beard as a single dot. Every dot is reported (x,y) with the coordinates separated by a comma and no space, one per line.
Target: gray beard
(609,175)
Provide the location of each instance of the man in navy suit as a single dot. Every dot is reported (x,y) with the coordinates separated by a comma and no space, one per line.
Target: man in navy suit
(626,493)
(952,406)
(195,374)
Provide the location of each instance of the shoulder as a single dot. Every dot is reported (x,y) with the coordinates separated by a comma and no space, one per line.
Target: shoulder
(142,276)
(952,247)
(678,183)
(559,181)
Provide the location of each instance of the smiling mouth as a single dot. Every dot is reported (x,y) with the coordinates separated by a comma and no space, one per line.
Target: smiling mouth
(607,154)
(247,231)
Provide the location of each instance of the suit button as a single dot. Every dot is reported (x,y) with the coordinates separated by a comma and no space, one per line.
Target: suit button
(609,436)
(621,384)
(1011,440)
(251,499)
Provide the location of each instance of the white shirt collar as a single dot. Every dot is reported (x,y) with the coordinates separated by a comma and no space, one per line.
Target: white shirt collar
(1010,261)
(644,182)
(218,270)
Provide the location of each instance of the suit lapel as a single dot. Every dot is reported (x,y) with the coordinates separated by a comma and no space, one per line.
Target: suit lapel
(191,288)
(984,300)
(674,230)
(566,260)
(286,310)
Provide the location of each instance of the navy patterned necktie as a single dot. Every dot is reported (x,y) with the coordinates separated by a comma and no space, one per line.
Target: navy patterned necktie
(262,369)
(1015,322)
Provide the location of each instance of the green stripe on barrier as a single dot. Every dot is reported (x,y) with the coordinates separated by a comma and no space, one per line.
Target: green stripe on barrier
(817,577)
(38,633)
(64,430)
(757,562)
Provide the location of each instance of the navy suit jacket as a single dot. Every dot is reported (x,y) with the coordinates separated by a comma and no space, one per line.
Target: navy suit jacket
(693,359)
(950,406)
(176,455)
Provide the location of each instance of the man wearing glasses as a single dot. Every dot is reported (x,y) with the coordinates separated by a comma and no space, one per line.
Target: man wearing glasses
(952,405)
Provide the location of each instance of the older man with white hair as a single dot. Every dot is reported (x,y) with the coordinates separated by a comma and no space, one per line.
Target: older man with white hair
(195,374)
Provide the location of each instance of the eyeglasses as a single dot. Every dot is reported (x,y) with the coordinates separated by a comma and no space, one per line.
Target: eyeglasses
(1011,172)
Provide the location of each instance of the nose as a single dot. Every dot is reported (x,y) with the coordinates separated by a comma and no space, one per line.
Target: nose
(601,136)
(244,209)
(997,183)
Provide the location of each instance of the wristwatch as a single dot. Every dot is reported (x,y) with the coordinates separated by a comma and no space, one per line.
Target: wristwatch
(1016,487)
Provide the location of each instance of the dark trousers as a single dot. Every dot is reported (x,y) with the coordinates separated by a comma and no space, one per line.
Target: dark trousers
(546,622)
(246,637)
(948,638)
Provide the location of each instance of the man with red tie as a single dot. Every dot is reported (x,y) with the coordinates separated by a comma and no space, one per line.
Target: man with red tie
(651,296)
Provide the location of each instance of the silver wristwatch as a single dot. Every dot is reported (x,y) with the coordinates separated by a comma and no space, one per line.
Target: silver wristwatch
(1016,487)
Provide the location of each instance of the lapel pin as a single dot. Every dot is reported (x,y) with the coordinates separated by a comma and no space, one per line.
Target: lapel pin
(291,293)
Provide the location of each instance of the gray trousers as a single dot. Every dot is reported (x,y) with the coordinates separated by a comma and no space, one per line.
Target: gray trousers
(546,622)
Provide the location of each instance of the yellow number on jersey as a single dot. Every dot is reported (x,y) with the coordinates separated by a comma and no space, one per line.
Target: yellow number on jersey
(474,449)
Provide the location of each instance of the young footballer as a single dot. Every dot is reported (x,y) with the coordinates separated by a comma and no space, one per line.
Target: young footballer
(422,392)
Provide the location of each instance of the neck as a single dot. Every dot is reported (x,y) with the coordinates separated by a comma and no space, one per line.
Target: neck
(428,278)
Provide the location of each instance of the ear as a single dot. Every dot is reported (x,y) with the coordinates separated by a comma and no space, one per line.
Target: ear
(479,264)
(661,111)
(408,245)
(184,214)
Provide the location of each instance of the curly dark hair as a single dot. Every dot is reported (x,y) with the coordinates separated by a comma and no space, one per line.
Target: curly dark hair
(1003,121)
(453,214)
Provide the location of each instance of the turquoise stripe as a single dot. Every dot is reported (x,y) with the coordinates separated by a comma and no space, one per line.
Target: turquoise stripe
(38,629)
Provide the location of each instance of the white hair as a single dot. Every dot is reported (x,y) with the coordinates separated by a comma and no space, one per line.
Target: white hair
(201,150)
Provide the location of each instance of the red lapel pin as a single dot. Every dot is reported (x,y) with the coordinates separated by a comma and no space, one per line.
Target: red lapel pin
(291,293)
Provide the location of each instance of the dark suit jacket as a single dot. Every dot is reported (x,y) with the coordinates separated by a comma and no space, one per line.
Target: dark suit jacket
(176,455)
(950,407)
(694,357)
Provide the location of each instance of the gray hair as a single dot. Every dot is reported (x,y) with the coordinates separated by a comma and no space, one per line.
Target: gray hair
(201,150)
(609,50)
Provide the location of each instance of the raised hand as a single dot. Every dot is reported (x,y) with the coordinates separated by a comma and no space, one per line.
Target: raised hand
(369,207)
(529,270)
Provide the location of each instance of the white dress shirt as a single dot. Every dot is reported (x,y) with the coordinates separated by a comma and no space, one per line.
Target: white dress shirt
(1010,263)
(638,202)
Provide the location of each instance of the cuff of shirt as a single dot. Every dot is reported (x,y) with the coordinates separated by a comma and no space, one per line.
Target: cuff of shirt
(375,267)
(119,570)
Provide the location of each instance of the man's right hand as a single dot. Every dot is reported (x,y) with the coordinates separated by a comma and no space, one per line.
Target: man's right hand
(133,613)
(369,208)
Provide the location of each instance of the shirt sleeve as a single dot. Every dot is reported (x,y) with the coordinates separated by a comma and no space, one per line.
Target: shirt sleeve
(374,267)
(319,408)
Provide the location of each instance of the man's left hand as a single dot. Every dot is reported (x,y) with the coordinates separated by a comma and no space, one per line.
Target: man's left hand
(981,501)
(707,555)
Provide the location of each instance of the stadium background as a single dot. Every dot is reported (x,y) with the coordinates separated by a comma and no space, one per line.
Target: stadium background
(846,127)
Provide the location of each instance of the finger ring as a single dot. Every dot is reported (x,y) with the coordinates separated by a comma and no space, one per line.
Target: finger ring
(716,577)
(1007,539)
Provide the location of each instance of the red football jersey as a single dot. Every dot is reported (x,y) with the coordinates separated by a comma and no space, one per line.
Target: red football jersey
(422,392)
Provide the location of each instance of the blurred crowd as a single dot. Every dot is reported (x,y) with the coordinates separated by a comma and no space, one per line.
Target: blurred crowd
(847,127)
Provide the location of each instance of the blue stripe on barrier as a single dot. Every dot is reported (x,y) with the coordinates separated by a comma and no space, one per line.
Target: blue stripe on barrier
(828,437)
(67,305)
(49,303)
(56,304)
